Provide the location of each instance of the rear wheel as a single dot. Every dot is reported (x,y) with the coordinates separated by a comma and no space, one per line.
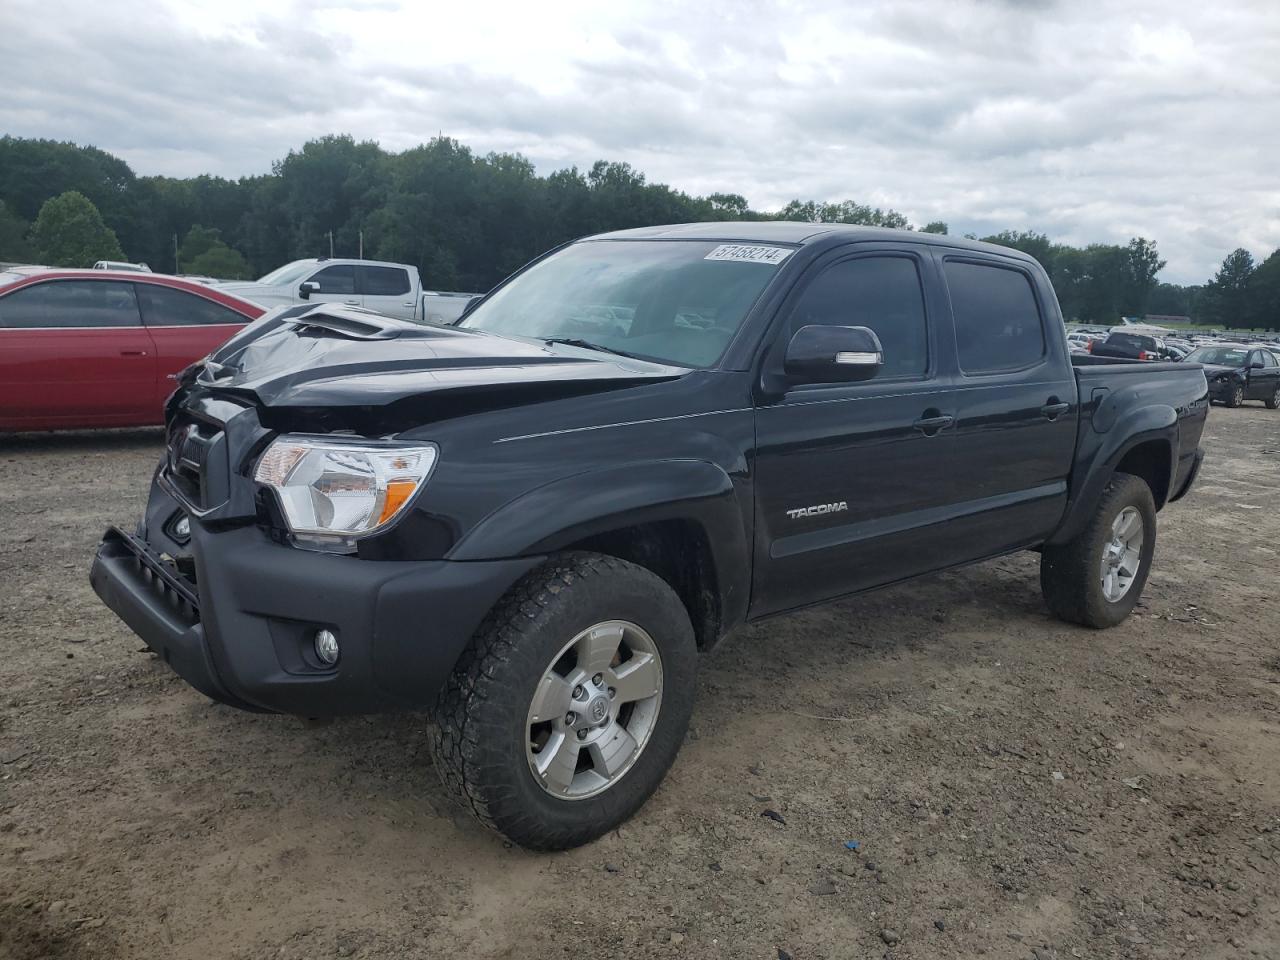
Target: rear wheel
(1096,578)
(1236,397)
(1274,400)
(566,711)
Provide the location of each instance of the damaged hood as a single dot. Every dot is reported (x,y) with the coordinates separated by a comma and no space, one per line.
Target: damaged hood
(333,357)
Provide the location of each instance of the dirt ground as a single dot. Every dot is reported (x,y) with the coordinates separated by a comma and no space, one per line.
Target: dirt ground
(1018,787)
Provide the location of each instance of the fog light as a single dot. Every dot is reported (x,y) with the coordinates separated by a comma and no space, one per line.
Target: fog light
(326,647)
(182,529)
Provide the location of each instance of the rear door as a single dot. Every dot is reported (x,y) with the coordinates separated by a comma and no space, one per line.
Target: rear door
(1016,394)
(337,285)
(184,327)
(852,479)
(74,353)
(388,290)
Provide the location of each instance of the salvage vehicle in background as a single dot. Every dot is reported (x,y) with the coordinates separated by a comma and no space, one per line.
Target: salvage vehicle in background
(393,289)
(122,266)
(1237,372)
(530,523)
(1129,346)
(96,348)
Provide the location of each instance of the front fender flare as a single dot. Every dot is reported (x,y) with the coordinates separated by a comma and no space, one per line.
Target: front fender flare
(559,514)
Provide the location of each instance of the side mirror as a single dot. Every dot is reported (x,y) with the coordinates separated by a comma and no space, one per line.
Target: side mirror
(1255,365)
(825,354)
(307,287)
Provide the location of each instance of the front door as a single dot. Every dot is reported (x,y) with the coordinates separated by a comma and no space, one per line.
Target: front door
(74,353)
(852,479)
(337,285)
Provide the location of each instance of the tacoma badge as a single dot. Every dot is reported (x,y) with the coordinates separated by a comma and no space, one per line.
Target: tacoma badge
(818,510)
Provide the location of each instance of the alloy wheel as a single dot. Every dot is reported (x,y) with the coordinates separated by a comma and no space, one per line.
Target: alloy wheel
(594,710)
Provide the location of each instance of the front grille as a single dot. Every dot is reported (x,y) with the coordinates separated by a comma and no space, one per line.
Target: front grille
(193,466)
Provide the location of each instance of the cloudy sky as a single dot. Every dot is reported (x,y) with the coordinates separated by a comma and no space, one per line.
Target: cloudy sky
(1090,121)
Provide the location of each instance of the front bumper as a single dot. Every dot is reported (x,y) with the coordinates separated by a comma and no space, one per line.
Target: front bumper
(241,629)
(1221,390)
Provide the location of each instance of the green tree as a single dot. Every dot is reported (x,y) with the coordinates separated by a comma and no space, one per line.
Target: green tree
(845,211)
(199,240)
(1174,300)
(731,206)
(1227,299)
(219,261)
(69,232)
(1264,293)
(935,226)
(1144,264)
(13,236)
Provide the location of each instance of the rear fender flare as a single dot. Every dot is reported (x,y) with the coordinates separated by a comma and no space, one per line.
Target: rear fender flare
(1101,453)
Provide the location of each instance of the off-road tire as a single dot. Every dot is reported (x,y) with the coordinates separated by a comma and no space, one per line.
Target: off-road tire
(1236,397)
(1274,400)
(1069,573)
(480,732)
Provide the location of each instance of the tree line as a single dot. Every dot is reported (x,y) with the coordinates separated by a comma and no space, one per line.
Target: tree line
(467,220)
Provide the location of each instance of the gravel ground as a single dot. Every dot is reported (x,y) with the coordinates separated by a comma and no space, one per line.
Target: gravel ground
(1018,787)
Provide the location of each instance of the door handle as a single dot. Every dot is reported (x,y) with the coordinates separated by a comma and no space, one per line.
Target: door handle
(133,353)
(931,425)
(352,303)
(1054,409)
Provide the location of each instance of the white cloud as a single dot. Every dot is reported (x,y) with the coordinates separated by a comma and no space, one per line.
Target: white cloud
(1088,120)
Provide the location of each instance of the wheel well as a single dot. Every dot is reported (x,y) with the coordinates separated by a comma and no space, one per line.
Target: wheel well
(1149,461)
(677,551)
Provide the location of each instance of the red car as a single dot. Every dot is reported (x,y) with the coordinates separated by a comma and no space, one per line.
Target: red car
(95,348)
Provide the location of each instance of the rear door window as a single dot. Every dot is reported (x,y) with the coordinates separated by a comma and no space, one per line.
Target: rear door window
(71,303)
(384,281)
(168,307)
(997,317)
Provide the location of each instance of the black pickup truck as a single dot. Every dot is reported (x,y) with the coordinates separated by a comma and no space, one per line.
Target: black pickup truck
(529,523)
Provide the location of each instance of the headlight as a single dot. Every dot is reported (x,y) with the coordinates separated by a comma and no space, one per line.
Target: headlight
(334,490)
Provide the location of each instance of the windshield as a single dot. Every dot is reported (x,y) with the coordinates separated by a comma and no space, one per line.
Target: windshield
(1223,356)
(677,301)
(288,273)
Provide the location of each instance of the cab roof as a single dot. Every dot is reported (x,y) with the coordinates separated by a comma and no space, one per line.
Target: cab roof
(790,231)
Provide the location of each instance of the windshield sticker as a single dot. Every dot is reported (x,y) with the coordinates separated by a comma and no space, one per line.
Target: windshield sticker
(749,253)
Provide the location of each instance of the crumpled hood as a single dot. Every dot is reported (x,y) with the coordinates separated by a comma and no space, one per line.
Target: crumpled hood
(1212,370)
(341,357)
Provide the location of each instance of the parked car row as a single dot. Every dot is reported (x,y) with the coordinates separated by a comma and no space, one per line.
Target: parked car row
(1237,370)
(98,348)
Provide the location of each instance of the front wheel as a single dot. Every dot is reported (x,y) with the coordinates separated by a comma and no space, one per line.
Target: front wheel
(1236,397)
(1096,578)
(570,704)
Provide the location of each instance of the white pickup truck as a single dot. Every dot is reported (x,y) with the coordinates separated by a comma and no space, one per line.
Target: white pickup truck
(394,289)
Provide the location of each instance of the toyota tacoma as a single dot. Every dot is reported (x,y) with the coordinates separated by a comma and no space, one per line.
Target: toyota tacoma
(529,523)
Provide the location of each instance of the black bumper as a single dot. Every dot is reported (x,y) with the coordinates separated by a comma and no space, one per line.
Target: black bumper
(245,636)
(1221,390)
